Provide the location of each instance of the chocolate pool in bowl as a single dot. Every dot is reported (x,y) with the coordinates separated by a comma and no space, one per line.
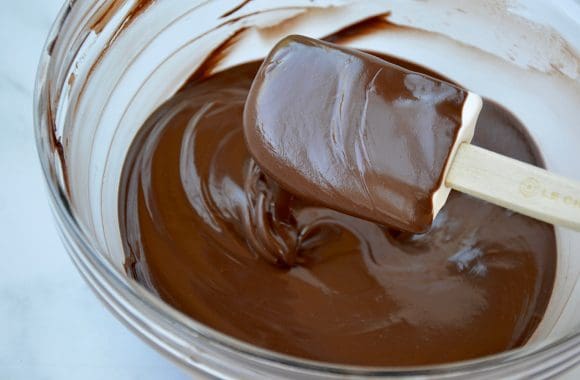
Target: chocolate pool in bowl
(217,238)
(100,85)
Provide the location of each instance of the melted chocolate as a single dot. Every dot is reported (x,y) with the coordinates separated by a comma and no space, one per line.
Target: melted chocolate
(352,131)
(218,239)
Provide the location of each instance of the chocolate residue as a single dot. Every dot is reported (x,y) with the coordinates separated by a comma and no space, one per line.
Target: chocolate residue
(102,18)
(361,28)
(104,15)
(235,9)
(71,79)
(50,46)
(56,143)
(215,237)
(215,57)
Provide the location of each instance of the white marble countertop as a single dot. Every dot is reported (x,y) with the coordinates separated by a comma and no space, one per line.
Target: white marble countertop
(51,325)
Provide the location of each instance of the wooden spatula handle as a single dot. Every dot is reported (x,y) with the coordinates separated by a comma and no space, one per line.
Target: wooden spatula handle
(515,185)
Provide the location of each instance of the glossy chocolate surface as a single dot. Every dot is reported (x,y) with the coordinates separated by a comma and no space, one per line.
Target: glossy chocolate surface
(353,132)
(215,237)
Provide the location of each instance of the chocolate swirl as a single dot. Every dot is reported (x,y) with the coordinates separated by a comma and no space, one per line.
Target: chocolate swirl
(216,238)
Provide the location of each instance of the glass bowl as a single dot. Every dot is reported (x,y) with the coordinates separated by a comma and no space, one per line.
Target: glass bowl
(108,64)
